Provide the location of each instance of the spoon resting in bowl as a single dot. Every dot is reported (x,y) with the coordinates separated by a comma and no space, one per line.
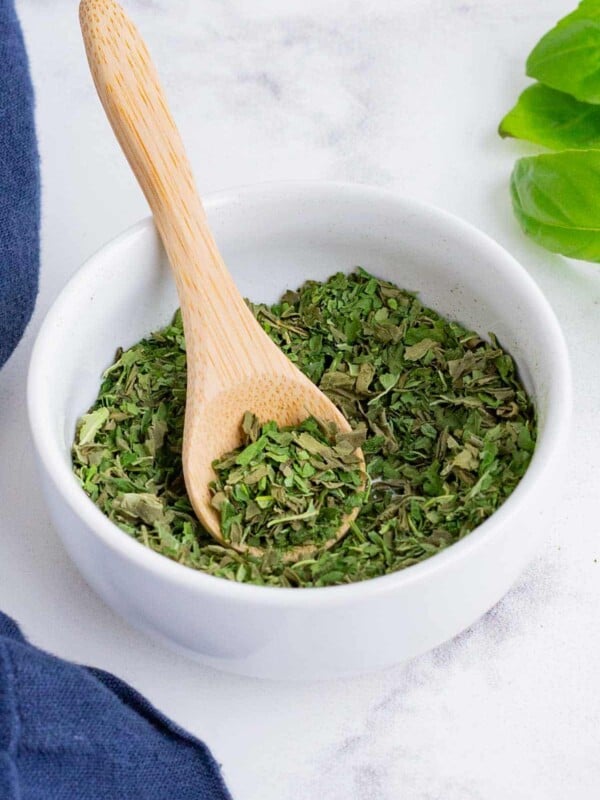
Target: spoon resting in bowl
(233,366)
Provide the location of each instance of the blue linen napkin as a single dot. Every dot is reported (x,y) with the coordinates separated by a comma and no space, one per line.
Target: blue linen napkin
(19,186)
(69,732)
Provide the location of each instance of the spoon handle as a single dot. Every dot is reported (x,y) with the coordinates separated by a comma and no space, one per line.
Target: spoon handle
(135,104)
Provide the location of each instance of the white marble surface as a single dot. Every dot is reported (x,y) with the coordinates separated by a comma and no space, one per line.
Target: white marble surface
(405,94)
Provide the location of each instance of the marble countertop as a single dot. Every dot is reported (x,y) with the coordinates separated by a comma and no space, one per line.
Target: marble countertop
(406,95)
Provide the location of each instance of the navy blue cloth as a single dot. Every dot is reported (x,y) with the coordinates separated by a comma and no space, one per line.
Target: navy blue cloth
(76,733)
(19,186)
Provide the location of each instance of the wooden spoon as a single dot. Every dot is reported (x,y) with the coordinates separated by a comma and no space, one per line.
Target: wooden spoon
(233,366)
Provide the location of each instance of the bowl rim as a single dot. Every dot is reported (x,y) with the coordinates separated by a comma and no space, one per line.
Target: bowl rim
(550,442)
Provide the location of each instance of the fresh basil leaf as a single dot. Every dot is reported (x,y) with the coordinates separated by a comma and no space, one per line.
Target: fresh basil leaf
(553,119)
(555,199)
(568,57)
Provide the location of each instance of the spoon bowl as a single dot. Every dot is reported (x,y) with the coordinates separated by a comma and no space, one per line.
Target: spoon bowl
(289,399)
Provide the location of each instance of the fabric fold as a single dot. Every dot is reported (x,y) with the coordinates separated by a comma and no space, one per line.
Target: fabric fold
(73,732)
(19,186)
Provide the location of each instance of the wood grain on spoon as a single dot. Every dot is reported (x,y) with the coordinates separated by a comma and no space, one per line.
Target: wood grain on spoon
(233,366)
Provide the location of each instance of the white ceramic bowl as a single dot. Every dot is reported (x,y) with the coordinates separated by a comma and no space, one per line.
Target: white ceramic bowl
(274,237)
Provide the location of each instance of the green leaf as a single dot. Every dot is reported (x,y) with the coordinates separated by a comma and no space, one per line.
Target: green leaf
(91,424)
(555,198)
(143,505)
(250,452)
(388,380)
(568,57)
(553,119)
(419,350)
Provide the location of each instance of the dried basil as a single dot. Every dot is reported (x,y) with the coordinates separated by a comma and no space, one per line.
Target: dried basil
(287,487)
(446,427)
